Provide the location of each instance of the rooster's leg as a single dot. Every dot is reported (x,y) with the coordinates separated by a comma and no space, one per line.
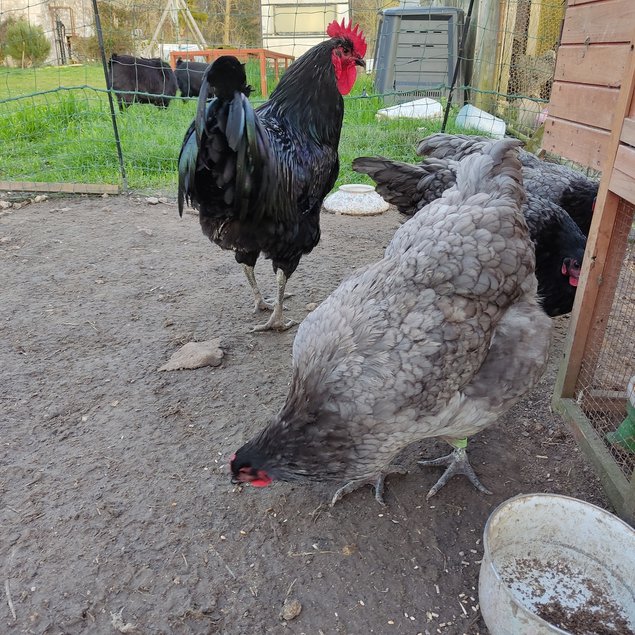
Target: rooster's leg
(277,322)
(377,482)
(457,463)
(260,304)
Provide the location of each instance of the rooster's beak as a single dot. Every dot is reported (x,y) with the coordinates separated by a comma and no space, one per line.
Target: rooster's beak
(360,62)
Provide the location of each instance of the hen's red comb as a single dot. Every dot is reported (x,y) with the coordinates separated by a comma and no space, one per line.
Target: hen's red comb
(345,30)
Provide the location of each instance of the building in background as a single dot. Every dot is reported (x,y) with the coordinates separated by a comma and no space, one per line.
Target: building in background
(294,26)
(62,21)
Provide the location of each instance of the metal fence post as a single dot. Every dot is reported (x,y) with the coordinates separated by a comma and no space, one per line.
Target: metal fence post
(100,37)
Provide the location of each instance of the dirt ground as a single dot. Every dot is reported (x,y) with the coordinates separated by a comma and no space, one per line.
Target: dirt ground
(117,513)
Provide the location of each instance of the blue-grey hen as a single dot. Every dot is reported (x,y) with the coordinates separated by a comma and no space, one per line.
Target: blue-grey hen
(258,176)
(437,339)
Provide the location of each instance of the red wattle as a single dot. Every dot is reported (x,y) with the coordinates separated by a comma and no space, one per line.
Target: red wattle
(573,281)
(346,79)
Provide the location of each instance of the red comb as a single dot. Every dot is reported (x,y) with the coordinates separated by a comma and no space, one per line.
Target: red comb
(345,30)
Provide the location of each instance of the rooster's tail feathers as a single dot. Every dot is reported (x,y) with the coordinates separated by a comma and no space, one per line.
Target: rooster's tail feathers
(187,168)
(201,109)
(245,138)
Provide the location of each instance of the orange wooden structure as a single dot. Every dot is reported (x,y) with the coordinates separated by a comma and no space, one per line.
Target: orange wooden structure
(262,55)
(592,122)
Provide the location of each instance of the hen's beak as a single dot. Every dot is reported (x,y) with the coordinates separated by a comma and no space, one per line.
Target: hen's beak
(360,62)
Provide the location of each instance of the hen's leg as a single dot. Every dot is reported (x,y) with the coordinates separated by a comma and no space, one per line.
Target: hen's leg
(457,463)
(260,304)
(277,322)
(377,482)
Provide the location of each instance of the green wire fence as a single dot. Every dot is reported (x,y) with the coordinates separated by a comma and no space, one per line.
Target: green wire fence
(55,118)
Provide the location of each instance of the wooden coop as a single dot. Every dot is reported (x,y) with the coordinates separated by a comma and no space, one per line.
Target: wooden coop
(592,122)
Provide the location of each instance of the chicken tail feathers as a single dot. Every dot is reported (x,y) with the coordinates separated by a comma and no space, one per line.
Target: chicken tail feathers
(201,109)
(395,180)
(406,186)
(498,170)
(235,127)
(246,139)
(187,168)
(225,145)
(442,145)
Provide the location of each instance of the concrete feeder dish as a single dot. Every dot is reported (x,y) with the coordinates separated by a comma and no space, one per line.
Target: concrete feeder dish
(355,200)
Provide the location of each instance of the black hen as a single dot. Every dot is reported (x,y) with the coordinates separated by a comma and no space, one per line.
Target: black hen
(558,242)
(258,177)
(571,190)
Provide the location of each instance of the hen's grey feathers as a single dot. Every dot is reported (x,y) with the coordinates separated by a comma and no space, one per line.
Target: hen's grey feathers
(564,186)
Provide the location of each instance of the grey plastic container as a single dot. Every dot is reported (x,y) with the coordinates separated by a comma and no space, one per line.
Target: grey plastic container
(416,52)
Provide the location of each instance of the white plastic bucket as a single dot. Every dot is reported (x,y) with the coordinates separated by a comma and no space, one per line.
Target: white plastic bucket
(425,108)
(471,117)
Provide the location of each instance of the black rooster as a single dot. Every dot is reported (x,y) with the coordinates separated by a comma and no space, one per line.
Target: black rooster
(258,177)
(558,241)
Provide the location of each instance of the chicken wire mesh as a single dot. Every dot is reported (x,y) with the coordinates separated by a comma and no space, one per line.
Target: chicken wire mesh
(608,365)
(56,125)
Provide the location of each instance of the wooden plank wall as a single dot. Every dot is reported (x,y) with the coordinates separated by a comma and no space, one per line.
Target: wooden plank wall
(596,43)
(592,121)
(594,125)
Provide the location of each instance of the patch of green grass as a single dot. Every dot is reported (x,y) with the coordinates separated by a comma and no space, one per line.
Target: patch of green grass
(69,137)
(19,82)
(66,134)
(363,134)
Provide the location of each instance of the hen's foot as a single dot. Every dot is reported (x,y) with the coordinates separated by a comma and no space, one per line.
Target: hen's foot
(457,463)
(377,482)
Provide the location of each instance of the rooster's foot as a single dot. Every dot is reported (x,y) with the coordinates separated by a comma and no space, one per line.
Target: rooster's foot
(457,463)
(268,304)
(377,482)
(274,323)
(263,305)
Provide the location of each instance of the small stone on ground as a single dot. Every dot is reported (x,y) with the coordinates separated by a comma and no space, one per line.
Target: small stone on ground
(195,355)
(290,610)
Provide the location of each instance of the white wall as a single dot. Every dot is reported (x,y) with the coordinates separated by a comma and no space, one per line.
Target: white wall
(300,23)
